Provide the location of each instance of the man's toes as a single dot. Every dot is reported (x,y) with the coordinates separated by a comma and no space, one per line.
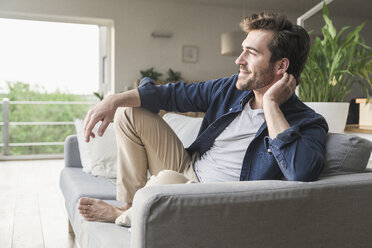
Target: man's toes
(86,201)
(86,216)
(83,211)
(84,207)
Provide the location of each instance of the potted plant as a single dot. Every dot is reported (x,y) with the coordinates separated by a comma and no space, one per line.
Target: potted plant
(173,76)
(151,73)
(336,63)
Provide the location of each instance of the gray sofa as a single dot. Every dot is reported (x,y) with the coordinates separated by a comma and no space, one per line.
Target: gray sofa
(335,211)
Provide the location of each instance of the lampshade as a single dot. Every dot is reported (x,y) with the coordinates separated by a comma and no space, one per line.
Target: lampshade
(231,43)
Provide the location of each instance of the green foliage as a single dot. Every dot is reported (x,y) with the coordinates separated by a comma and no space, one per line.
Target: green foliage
(173,76)
(151,73)
(98,95)
(335,63)
(41,113)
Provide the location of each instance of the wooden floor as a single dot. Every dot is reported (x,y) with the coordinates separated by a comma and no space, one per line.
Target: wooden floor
(32,212)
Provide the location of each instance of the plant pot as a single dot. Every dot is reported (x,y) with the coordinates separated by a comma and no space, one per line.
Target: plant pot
(335,114)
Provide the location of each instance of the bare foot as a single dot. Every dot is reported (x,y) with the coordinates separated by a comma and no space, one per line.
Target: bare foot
(98,210)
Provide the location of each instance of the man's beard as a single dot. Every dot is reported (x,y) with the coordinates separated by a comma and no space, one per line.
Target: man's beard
(256,80)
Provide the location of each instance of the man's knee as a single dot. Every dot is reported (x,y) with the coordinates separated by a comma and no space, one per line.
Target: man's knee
(124,114)
(123,117)
(121,114)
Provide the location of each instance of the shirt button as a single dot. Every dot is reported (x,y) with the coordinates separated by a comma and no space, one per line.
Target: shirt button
(269,150)
(230,109)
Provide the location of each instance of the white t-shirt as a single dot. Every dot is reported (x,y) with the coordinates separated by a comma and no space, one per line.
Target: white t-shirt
(223,161)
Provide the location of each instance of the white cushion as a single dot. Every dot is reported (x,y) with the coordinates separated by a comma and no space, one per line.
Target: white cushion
(99,156)
(185,127)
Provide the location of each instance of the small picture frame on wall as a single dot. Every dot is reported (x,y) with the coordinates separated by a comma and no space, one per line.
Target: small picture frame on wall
(190,54)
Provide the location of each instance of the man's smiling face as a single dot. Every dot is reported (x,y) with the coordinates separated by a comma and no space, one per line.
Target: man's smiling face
(255,69)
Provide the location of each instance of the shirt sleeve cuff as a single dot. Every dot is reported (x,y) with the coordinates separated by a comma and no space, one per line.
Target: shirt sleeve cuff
(284,138)
(148,94)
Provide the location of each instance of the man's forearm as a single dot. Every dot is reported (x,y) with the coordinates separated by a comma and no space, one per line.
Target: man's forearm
(276,122)
(276,95)
(127,99)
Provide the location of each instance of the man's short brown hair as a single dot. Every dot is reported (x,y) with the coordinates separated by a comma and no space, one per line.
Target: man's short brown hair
(289,41)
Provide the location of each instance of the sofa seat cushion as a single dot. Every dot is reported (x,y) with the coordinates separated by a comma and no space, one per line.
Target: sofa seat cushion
(75,184)
(100,234)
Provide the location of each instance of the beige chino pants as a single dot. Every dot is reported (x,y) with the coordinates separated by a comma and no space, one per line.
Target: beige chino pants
(146,143)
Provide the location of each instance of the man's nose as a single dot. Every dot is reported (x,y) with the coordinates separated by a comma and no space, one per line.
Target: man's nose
(240,60)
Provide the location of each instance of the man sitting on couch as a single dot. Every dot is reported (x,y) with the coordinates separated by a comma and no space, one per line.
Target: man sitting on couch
(254,128)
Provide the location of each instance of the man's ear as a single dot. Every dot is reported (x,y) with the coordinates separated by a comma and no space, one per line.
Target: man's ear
(281,66)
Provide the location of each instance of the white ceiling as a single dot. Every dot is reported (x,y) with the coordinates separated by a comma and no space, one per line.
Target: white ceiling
(361,9)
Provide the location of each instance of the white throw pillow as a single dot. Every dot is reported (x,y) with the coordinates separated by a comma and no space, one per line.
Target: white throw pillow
(185,127)
(99,156)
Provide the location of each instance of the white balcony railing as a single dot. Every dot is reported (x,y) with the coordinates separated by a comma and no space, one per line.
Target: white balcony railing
(6,124)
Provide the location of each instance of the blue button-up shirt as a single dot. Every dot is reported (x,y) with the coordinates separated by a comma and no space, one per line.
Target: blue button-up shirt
(297,153)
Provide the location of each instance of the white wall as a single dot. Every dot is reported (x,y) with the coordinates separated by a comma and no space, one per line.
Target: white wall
(198,25)
(135,49)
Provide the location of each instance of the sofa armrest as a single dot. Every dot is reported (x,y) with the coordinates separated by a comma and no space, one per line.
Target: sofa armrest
(71,152)
(332,212)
